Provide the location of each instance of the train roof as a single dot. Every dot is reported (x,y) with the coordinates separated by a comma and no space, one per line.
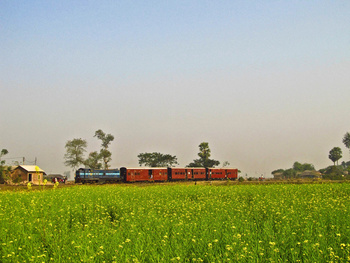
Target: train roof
(84,169)
(224,168)
(154,168)
(144,168)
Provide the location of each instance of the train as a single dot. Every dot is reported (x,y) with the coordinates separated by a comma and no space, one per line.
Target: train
(154,174)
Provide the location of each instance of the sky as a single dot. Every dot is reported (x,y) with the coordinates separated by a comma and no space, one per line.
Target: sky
(265,83)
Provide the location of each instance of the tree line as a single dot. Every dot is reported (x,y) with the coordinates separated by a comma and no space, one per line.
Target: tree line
(333,172)
(76,148)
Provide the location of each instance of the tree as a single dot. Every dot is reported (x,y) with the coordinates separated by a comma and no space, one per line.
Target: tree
(93,161)
(106,157)
(346,140)
(333,173)
(156,159)
(277,171)
(3,169)
(298,167)
(289,173)
(104,152)
(345,165)
(204,154)
(335,154)
(2,153)
(225,163)
(75,153)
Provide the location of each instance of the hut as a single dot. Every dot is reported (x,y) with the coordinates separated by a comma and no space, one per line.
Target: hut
(278,176)
(27,173)
(307,174)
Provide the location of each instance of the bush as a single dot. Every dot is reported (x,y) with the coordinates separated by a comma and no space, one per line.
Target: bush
(333,173)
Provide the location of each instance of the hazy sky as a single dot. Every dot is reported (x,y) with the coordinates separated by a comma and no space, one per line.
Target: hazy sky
(266,83)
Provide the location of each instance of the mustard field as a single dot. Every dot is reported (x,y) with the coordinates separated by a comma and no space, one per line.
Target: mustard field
(177,223)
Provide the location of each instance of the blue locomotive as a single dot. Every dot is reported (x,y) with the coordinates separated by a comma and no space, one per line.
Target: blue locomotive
(85,175)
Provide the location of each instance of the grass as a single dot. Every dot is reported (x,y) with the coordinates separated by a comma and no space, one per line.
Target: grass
(177,223)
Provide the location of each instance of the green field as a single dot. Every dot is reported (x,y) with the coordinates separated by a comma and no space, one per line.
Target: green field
(177,223)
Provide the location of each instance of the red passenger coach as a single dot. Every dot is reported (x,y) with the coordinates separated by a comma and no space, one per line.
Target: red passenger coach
(222,173)
(186,174)
(150,174)
(160,174)
(199,174)
(177,173)
(232,174)
(144,174)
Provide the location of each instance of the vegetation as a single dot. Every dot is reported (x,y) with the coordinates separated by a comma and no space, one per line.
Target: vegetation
(74,156)
(295,171)
(335,154)
(156,159)
(346,140)
(93,161)
(240,179)
(76,148)
(204,160)
(298,167)
(105,154)
(225,164)
(4,170)
(333,173)
(177,223)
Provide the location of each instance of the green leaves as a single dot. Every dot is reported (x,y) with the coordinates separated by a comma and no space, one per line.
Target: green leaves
(75,152)
(346,140)
(156,159)
(93,161)
(335,154)
(204,154)
(106,139)
(76,148)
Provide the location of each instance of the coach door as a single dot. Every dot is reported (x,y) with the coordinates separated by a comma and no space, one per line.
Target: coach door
(132,176)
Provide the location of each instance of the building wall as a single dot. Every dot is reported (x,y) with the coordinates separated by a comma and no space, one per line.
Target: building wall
(24,176)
